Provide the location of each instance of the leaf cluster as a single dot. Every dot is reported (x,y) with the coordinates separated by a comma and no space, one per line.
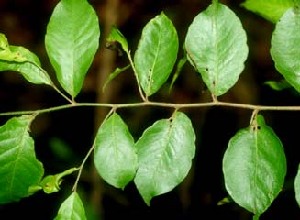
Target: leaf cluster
(254,164)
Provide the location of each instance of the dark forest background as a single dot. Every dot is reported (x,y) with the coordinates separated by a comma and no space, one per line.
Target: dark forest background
(64,137)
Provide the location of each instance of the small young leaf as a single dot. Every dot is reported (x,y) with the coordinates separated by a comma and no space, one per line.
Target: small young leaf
(72,209)
(165,153)
(216,45)
(30,67)
(297,186)
(113,75)
(271,10)
(72,39)
(156,54)
(19,168)
(283,50)
(254,167)
(116,36)
(51,183)
(115,158)
(279,86)
(179,67)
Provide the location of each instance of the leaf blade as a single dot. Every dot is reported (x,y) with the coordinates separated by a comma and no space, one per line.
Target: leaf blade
(156,54)
(254,167)
(30,68)
(115,157)
(71,209)
(216,45)
(165,152)
(19,167)
(113,75)
(71,40)
(271,10)
(116,36)
(283,51)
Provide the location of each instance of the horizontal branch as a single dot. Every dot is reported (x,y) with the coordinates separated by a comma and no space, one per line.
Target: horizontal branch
(157,104)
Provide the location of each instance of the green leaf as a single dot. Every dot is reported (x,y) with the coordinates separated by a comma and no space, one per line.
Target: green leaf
(71,209)
(283,50)
(72,39)
(297,186)
(156,54)
(113,75)
(179,67)
(6,54)
(216,45)
(271,10)
(19,167)
(165,152)
(30,67)
(278,86)
(116,36)
(254,167)
(115,157)
(3,43)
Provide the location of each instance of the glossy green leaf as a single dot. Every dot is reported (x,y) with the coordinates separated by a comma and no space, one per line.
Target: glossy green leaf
(283,50)
(254,167)
(156,54)
(271,10)
(71,209)
(30,67)
(165,152)
(115,158)
(19,168)
(216,45)
(72,39)
(297,186)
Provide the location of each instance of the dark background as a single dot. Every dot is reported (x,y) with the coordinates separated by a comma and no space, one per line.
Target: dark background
(24,23)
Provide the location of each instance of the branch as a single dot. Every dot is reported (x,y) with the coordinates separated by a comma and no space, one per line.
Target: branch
(156,104)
